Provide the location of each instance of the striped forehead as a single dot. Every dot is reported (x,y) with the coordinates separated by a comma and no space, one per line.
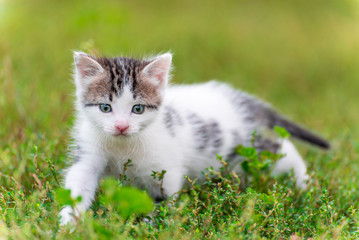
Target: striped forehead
(122,72)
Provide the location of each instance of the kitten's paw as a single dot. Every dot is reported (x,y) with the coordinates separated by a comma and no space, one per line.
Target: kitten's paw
(303,182)
(67,216)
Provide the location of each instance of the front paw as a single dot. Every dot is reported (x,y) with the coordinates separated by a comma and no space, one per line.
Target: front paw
(67,216)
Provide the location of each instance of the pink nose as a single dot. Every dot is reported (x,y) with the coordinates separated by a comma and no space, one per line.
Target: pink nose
(121,128)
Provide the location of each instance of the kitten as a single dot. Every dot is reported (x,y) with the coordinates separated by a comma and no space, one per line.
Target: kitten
(125,109)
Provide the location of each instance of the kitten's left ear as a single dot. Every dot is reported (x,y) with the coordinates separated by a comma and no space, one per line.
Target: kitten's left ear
(158,70)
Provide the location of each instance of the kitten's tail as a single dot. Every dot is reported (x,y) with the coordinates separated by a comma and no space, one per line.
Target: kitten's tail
(265,115)
(275,119)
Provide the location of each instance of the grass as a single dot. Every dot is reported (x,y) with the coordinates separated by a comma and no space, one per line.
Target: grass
(300,56)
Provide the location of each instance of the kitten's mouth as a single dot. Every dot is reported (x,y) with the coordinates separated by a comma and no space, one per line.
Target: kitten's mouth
(120,134)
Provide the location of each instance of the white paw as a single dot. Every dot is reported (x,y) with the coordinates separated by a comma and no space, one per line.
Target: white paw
(303,181)
(67,216)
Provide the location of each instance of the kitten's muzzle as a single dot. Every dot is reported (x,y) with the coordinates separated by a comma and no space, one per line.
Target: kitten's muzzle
(121,129)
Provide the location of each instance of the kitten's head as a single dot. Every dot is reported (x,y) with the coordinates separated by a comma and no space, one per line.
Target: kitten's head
(120,96)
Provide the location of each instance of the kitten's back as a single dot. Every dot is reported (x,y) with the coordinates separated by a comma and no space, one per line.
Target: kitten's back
(235,110)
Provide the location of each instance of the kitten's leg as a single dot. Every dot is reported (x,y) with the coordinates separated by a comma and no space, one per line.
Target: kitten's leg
(173,182)
(82,179)
(292,160)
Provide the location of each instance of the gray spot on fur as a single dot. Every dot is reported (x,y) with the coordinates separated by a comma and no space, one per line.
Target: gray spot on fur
(76,159)
(262,114)
(215,135)
(265,144)
(207,134)
(236,138)
(77,152)
(254,110)
(232,157)
(171,119)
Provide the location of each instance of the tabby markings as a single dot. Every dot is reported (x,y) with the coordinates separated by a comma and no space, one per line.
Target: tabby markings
(171,120)
(207,134)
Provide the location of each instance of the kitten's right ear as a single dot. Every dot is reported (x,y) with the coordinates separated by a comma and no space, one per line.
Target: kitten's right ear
(86,67)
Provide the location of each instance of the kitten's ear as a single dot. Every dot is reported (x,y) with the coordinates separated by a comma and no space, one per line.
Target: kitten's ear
(86,67)
(158,70)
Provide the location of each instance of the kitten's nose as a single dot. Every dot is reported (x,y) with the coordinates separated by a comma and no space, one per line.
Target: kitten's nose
(121,127)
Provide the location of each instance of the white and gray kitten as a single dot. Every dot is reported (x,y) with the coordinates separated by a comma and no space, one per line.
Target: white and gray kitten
(125,109)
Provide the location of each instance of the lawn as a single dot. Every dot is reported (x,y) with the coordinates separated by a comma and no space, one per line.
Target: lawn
(302,57)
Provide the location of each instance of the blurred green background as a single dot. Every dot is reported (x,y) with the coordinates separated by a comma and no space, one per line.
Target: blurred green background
(301,56)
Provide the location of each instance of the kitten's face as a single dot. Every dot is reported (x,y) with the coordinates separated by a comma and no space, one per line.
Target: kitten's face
(121,96)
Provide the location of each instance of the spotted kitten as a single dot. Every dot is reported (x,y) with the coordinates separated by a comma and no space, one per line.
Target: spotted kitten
(125,109)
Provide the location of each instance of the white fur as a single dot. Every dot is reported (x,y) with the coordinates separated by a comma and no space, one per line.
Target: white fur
(292,160)
(152,148)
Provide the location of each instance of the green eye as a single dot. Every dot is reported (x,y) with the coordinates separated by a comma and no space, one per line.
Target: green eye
(106,108)
(138,109)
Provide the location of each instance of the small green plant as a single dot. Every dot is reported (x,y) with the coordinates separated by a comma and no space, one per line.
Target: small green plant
(125,200)
(282,132)
(258,165)
(63,198)
(123,177)
(159,176)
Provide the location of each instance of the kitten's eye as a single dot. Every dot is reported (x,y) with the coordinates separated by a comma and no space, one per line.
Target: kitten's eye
(138,109)
(106,108)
